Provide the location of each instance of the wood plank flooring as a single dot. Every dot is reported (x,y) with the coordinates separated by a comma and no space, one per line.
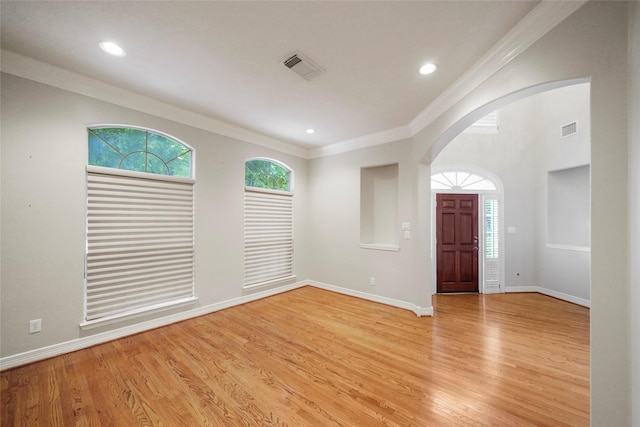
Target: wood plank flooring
(310,357)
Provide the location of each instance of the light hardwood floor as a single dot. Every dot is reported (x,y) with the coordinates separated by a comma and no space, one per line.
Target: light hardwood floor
(310,357)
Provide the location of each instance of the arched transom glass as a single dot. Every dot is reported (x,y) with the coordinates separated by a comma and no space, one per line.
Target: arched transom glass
(265,173)
(460,181)
(138,150)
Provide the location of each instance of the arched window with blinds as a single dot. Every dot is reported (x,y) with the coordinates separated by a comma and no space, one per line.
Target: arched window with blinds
(268,223)
(140,223)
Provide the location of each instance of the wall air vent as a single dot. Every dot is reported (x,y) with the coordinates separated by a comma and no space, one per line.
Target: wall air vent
(302,66)
(570,129)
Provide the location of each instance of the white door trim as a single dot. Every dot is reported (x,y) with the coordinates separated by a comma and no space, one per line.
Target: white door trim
(482,196)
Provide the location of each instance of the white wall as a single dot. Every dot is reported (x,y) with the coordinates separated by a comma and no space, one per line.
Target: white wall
(334,220)
(44,153)
(591,43)
(634,206)
(563,270)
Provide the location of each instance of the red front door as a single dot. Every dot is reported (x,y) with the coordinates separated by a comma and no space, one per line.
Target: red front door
(457,242)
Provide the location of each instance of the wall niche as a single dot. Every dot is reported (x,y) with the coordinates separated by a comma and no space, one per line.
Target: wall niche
(568,207)
(379,207)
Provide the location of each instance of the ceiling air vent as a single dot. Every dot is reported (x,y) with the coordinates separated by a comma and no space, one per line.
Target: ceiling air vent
(303,66)
(570,129)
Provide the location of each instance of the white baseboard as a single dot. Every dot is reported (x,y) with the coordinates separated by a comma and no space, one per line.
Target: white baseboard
(565,297)
(89,341)
(521,289)
(419,311)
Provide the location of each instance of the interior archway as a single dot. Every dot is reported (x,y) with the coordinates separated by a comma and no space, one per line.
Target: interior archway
(534,260)
(467,120)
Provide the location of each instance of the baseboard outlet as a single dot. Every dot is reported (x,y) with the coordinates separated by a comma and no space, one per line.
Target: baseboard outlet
(419,311)
(549,292)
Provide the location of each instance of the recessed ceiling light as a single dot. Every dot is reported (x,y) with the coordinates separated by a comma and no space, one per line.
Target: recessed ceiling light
(112,48)
(310,131)
(428,68)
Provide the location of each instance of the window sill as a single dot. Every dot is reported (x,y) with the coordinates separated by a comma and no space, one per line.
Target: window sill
(568,247)
(380,246)
(270,283)
(109,320)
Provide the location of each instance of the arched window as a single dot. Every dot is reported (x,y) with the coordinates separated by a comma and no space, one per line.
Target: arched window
(138,150)
(140,224)
(268,223)
(268,174)
(460,181)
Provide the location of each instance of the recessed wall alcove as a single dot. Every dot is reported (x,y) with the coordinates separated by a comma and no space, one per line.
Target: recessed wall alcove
(379,207)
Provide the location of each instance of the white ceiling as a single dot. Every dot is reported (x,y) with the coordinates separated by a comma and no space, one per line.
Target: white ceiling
(224,60)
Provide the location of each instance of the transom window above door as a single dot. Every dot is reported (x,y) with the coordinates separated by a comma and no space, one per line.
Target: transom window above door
(460,181)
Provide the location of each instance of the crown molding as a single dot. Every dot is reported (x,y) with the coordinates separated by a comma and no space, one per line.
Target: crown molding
(542,19)
(370,140)
(32,69)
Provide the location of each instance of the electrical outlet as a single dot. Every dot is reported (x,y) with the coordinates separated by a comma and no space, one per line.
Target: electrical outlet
(372,281)
(35,326)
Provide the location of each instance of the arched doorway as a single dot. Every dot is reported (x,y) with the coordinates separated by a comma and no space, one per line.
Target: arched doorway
(528,153)
(487,189)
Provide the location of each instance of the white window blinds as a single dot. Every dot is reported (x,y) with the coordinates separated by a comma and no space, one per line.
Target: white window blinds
(492,243)
(487,124)
(140,242)
(268,235)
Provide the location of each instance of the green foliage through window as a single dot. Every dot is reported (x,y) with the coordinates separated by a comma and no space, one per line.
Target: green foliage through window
(262,173)
(138,150)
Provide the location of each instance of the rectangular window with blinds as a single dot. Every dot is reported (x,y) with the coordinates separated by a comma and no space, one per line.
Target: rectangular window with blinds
(140,243)
(268,236)
(491,243)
